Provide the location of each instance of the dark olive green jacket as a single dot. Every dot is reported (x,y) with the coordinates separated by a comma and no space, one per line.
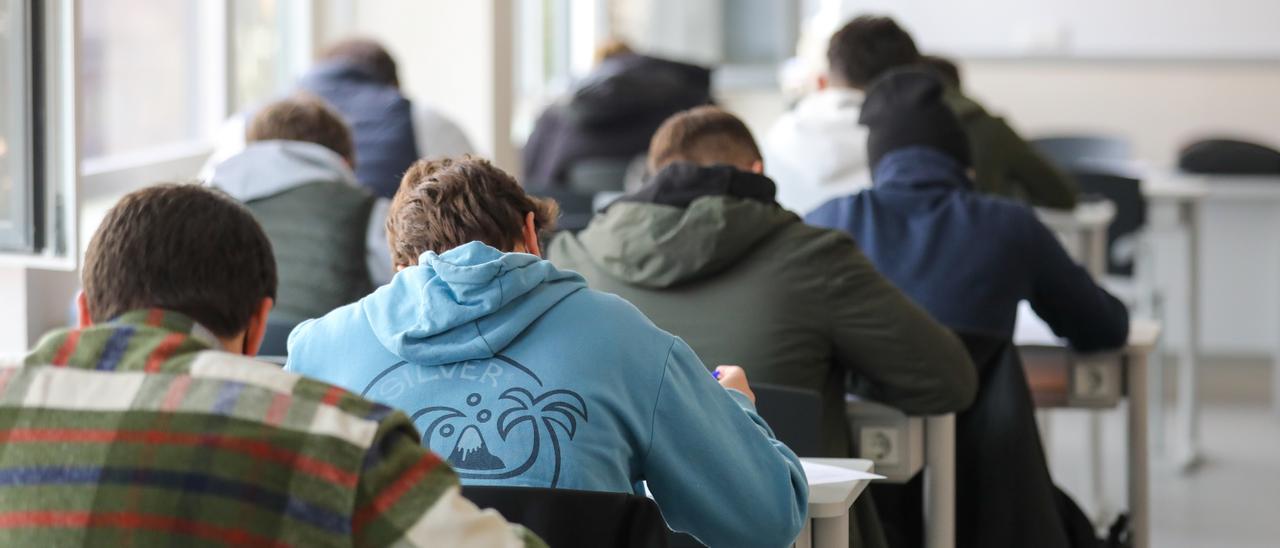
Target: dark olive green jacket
(748,283)
(1007,165)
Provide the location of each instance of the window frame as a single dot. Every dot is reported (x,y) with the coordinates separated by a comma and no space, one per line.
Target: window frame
(19,234)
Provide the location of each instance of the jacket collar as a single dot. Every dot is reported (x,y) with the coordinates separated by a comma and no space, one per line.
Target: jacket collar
(679,184)
(138,340)
(919,168)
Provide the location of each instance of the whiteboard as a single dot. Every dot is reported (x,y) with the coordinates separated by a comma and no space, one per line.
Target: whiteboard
(1125,29)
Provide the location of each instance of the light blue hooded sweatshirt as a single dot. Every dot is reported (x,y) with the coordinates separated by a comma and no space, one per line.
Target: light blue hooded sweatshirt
(518,374)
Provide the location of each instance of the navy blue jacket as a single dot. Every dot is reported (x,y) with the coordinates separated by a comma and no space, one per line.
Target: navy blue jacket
(970,258)
(381,121)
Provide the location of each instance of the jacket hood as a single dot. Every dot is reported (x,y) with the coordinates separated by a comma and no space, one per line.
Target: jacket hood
(686,224)
(632,87)
(920,167)
(818,151)
(964,107)
(266,168)
(468,303)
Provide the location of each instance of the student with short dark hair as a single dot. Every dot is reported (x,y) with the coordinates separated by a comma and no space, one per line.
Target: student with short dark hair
(360,79)
(523,376)
(969,259)
(816,151)
(705,251)
(148,425)
(328,232)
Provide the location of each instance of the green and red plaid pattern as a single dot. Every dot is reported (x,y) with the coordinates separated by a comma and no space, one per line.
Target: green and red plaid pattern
(136,433)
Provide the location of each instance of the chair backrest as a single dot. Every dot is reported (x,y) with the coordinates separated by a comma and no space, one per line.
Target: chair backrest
(795,415)
(592,175)
(1131,215)
(1086,152)
(567,517)
(275,342)
(1229,157)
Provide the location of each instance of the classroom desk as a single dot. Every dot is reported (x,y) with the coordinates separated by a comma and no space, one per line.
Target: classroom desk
(1043,351)
(828,525)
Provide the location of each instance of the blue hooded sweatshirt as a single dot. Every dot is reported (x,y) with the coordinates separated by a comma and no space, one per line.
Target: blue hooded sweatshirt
(969,258)
(519,375)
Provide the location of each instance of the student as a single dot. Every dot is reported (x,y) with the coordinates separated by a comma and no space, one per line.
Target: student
(523,376)
(146,426)
(612,114)
(969,259)
(816,151)
(327,232)
(705,251)
(359,78)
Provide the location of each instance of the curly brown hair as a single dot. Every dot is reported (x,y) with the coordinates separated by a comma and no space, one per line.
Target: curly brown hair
(445,203)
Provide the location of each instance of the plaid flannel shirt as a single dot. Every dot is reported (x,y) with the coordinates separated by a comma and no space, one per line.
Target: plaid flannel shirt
(136,433)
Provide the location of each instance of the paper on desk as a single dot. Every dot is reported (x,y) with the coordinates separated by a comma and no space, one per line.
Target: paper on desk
(1031,330)
(820,474)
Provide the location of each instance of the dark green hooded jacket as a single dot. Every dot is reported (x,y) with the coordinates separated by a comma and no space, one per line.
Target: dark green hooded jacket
(707,255)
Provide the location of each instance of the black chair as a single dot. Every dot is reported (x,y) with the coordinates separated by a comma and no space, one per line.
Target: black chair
(569,518)
(592,175)
(576,208)
(1131,216)
(1229,157)
(1087,153)
(795,415)
(275,342)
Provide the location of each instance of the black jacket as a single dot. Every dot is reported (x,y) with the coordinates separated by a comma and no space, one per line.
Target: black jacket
(612,114)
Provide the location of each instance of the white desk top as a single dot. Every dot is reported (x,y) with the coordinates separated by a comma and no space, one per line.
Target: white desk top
(1171,184)
(1086,215)
(1033,331)
(829,500)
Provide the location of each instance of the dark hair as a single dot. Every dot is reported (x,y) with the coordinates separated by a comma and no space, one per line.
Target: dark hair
(704,136)
(368,55)
(184,248)
(445,203)
(866,47)
(944,68)
(303,117)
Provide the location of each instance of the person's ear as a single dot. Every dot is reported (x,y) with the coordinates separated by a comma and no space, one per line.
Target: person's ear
(757,167)
(531,235)
(257,327)
(824,82)
(84,319)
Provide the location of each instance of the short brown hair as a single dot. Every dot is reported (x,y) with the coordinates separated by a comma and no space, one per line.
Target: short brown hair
(303,117)
(184,248)
(867,47)
(369,55)
(445,203)
(704,136)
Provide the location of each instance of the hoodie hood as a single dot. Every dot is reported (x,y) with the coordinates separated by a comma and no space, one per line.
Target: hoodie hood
(648,239)
(818,151)
(468,303)
(918,168)
(266,168)
(637,87)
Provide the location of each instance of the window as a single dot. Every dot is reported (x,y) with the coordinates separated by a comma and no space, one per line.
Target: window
(141,74)
(16,209)
(270,45)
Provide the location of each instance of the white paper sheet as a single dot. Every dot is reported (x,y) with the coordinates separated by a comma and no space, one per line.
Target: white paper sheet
(820,474)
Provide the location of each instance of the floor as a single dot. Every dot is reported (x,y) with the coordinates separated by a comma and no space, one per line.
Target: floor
(1232,500)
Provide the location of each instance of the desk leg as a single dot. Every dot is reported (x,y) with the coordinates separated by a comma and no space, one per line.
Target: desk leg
(831,532)
(1139,510)
(1188,412)
(940,482)
(805,539)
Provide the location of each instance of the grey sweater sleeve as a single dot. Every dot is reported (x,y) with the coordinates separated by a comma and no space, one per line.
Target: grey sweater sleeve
(899,355)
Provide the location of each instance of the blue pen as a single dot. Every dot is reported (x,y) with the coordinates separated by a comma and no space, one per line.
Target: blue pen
(715,375)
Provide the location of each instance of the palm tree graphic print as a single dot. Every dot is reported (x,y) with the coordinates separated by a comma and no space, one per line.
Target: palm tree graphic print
(483,436)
